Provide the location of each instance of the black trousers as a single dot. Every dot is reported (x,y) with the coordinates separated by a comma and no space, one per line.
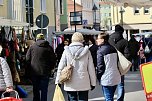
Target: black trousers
(77,95)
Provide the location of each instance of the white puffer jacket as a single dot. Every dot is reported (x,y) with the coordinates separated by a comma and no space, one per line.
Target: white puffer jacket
(83,75)
(5,75)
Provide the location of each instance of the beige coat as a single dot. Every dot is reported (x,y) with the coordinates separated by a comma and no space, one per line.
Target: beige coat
(83,75)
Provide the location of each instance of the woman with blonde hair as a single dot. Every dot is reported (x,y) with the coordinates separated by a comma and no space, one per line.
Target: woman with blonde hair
(83,75)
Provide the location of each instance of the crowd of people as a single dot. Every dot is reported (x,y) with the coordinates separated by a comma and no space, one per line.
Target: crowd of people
(94,62)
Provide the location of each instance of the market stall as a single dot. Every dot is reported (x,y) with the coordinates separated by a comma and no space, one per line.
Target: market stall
(14,47)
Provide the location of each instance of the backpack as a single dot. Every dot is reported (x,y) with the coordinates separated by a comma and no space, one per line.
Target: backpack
(147,50)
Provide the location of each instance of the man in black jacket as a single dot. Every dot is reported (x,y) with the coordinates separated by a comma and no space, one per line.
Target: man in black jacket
(41,58)
(116,39)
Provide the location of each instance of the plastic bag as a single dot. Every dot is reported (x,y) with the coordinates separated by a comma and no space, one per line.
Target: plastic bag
(22,93)
(58,96)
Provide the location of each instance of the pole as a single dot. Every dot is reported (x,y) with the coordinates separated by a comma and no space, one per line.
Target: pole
(95,20)
(29,20)
(121,12)
(74,15)
(41,23)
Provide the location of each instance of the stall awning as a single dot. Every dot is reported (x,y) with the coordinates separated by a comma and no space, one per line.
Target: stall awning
(9,22)
(83,31)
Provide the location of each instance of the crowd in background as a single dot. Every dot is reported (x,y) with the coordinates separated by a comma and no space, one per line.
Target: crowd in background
(95,58)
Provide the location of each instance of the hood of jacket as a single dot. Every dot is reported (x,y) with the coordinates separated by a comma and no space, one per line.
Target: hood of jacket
(77,50)
(42,43)
(116,36)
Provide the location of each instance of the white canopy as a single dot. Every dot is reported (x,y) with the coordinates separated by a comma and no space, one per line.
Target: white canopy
(125,3)
(144,33)
(9,22)
(83,31)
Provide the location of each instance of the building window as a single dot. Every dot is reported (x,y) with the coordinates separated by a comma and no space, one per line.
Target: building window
(1,2)
(61,7)
(136,10)
(105,14)
(109,14)
(146,10)
(43,6)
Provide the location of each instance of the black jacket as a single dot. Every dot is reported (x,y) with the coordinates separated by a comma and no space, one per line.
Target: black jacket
(116,39)
(93,49)
(41,58)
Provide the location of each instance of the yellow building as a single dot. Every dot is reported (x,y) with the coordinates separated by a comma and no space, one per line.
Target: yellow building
(47,8)
(133,19)
(12,13)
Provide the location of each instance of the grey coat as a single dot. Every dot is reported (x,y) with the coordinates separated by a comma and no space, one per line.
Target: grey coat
(5,75)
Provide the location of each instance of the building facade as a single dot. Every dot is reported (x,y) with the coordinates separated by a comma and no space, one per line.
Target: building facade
(105,15)
(133,19)
(90,17)
(12,13)
(34,10)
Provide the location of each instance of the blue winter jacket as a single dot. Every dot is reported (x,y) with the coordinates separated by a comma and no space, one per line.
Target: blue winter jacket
(107,70)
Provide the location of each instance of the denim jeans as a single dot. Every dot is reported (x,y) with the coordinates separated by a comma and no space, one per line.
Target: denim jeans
(40,88)
(121,90)
(77,95)
(108,92)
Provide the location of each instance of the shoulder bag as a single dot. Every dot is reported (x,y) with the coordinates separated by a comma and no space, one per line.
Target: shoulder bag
(123,63)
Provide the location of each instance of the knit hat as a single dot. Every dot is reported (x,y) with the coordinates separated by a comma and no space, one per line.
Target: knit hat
(77,37)
(40,36)
(119,28)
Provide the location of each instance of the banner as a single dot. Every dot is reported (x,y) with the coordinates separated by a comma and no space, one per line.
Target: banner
(146,74)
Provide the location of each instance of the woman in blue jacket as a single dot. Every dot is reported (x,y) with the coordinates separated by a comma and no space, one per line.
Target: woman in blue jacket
(107,70)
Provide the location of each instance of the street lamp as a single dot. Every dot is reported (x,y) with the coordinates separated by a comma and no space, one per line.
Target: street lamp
(94,9)
(121,12)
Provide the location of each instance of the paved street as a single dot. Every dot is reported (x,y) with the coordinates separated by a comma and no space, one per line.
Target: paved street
(133,87)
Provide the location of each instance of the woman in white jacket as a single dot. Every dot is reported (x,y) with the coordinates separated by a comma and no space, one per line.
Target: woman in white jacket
(83,76)
(6,83)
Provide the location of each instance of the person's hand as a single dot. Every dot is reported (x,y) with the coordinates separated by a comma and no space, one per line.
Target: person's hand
(59,85)
(9,89)
(92,87)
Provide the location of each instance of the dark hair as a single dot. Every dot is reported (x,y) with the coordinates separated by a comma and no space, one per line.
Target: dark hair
(119,28)
(104,36)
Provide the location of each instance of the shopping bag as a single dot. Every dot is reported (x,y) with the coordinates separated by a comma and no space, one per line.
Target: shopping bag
(58,96)
(22,93)
(123,64)
(16,98)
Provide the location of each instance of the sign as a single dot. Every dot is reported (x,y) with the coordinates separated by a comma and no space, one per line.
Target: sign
(84,22)
(76,18)
(42,21)
(146,74)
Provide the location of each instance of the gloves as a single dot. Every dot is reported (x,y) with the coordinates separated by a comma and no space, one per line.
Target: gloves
(92,87)
(59,85)
(99,77)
